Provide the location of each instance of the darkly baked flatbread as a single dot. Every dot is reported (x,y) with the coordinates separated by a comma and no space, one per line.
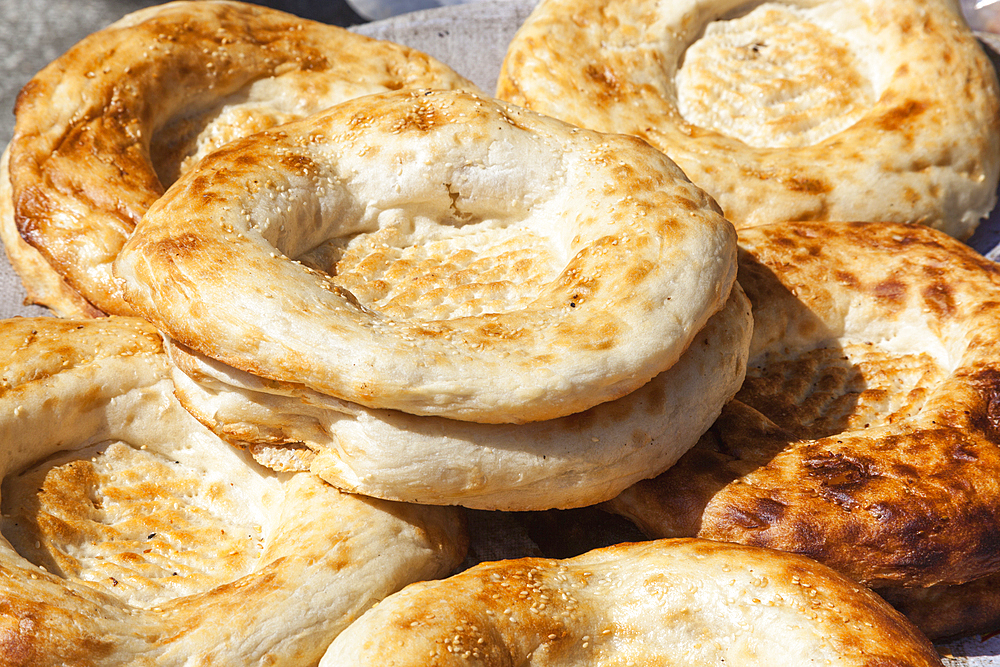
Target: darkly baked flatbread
(867,433)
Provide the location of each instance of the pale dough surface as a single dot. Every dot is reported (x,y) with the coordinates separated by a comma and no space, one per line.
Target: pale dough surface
(133,536)
(437,253)
(834,110)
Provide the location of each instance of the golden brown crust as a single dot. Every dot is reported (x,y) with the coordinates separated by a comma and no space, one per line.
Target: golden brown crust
(103,129)
(866,433)
(667,602)
(35,348)
(43,286)
(289,255)
(908,125)
(944,612)
(133,536)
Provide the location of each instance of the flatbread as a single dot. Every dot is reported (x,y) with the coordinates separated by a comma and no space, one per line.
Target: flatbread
(865,433)
(835,110)
(133,536)
(103,129)
(668,602)
(436,253)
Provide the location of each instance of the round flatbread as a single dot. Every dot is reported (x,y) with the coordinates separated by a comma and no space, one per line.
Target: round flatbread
(834,110)
(436,253)
(103,129)
(134,536)
(865,434)
(690,602)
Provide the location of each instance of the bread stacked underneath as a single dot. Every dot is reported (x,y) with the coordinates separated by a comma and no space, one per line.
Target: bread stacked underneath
(446,300)
(426,295)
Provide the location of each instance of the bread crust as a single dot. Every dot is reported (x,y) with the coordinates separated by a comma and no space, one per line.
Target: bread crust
(102,130)
(947,612)
(133,536)
(696,602)
(865,434)
(572,461)
(836,110)
(436,253)
(43,286)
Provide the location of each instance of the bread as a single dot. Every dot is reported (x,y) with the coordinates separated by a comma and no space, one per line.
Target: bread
(571,461)
(41,282)
(830,110)
(690,602)
(133,536)
(103,129)
(865,433)
(945,612)
(436,253)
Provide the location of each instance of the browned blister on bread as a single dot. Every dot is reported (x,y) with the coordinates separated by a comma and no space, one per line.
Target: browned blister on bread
(865,435)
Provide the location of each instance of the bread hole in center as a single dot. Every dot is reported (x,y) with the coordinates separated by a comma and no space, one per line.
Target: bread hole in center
(430,260)
(130,523)
(773,78)
(186,138)
(460,272)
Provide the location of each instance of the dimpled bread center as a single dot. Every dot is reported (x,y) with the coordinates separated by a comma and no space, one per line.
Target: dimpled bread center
(833,389)
(130,523)
(772,79)
(471,270)
(179,146)
(185,139)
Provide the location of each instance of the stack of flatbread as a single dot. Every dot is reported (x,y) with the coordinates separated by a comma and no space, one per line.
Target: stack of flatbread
(320,297)
(523,316)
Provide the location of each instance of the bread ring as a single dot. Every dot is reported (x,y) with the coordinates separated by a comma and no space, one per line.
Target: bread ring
(865,435)
(102,129)
(437,253)
(832,110)
(132,535)
(571,461)
(690,602)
